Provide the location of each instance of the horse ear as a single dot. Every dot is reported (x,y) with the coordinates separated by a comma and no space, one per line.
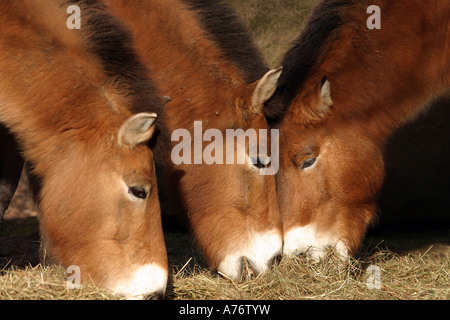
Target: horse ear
(137,129)
(265,88)
(325,97)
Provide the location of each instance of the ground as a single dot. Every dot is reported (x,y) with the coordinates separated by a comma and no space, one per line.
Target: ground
(19,233)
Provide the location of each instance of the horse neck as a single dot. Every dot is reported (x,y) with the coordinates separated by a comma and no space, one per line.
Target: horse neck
(50,89)
(185,63)
(385,78)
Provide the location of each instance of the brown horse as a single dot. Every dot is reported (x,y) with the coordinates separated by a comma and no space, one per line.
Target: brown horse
(202,57)
(82,108)
(358,72)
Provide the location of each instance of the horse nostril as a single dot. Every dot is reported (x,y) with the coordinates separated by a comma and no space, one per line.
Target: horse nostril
(155,296)
(275,260)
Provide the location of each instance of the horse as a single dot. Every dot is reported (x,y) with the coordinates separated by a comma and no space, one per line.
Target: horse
(358,72)
(82,109)
(201,55)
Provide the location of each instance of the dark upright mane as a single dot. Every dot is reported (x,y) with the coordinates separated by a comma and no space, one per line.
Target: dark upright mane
(306,53)
(228,31)
(112,44)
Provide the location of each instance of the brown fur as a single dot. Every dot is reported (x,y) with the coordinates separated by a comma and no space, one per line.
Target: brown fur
(65,103)
(380,79)
(207,79)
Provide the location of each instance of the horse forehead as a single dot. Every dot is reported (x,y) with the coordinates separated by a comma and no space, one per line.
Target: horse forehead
(297,139)
(139,158)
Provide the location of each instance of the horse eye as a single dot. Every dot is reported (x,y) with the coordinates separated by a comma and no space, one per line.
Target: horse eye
(256,161)
(308,163)
(138,192)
